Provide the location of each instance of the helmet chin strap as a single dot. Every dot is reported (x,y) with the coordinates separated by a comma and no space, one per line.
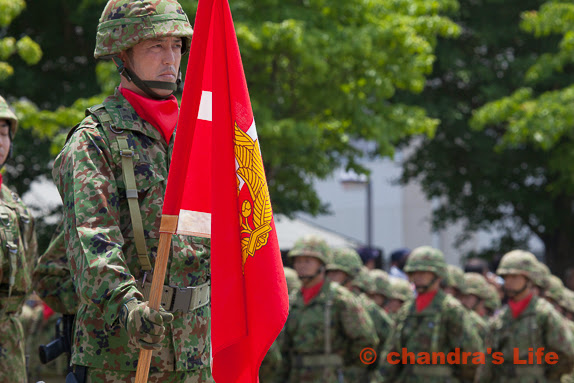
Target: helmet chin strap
(146,86)
(424,288)
(310,277)
(514,293)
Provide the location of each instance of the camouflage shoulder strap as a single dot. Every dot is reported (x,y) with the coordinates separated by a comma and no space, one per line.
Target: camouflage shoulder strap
(128,173)
(8,236)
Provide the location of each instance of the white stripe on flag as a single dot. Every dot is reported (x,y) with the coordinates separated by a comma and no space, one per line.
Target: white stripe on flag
(205,106)
(194,223)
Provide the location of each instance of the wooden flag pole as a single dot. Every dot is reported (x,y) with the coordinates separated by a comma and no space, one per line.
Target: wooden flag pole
(167,229)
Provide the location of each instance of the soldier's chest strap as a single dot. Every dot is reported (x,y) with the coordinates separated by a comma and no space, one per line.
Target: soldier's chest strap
(128,173)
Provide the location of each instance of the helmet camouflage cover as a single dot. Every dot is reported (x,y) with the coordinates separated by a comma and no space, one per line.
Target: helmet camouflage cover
(382,283)
(540,277)
(493,300)
(426,258)
(555,290)
(455,277)
(125,23)
(7,114)
(518,262)
(364,281)
(347,260)
(400,289)
(475,284)
(311,246)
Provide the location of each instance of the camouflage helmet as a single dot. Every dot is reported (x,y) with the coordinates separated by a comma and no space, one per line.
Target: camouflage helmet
(475,284)
(518,262)
(382,283)
(568,300)
(125,23)
(426,258)
(455,277)
(311,246)
(400,289)
(555,290)
(540,277)
(347,260)
(293,281)
(364,281)
(493,301)
(7,114)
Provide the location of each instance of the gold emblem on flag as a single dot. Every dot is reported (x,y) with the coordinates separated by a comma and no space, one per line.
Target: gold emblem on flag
(256,219)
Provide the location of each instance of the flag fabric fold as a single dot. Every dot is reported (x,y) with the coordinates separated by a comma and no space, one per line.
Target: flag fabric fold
(217,187)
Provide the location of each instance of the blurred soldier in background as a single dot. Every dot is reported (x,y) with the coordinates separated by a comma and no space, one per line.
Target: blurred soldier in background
(327,327)
(527,322)
(18,256)
(433,322)
(400,292)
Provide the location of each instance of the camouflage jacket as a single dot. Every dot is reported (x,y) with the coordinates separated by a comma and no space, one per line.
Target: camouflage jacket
(379,316)
(539,325)
(351,330)
(52,279)
(441,327)
(101,248)
(480,323)
(18,253)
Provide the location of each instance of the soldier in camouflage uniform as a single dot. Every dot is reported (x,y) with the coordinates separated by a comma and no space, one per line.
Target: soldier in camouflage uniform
(540,279)
(327,327)
(454,281)
(434,322)
(474,293)
(526,322)
(293,282)
(400,292)
(492,303)
(554,292)
(112,176)
(18,257)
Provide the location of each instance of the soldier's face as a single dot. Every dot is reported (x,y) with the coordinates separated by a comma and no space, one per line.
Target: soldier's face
(4,140)
(515,283)
(393,305)
(422,278)
(154,60)
(379,299)
(337,276)
(469,301)
(306,266)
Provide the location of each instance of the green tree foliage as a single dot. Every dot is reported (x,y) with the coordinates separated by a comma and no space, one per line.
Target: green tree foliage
(322,75)
(502,157)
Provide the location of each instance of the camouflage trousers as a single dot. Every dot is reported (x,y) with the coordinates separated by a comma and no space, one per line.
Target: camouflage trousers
(97,375)
(12,345)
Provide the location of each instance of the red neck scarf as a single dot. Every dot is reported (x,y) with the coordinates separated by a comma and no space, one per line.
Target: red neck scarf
(162,114)
(0,180)
(518,307)
(47,312)
(311,292)
(425,299)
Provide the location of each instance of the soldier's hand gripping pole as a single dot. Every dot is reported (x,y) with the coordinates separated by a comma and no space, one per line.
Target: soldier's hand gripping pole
(167,229)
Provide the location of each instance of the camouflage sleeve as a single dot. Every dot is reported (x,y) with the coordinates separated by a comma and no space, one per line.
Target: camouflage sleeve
(559,339)
(89,192)
(389,371)
(357,326)
(52,279)
(285,345)
(464,335)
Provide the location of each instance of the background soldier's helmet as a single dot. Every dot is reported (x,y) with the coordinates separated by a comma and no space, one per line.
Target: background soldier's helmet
(455,277)
(382,283)
(568,300)
(518,262)
(475,284)
(540,278)
(400,289)
(7,114)
(311,246)
(347,260)
(364,281)
(125,23)
(555,290)
(426,258)
(493,301)
(293,281)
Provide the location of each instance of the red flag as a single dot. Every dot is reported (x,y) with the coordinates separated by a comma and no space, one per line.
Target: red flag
(219,189)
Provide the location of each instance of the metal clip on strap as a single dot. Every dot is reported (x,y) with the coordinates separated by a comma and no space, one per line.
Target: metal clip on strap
(133,203)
